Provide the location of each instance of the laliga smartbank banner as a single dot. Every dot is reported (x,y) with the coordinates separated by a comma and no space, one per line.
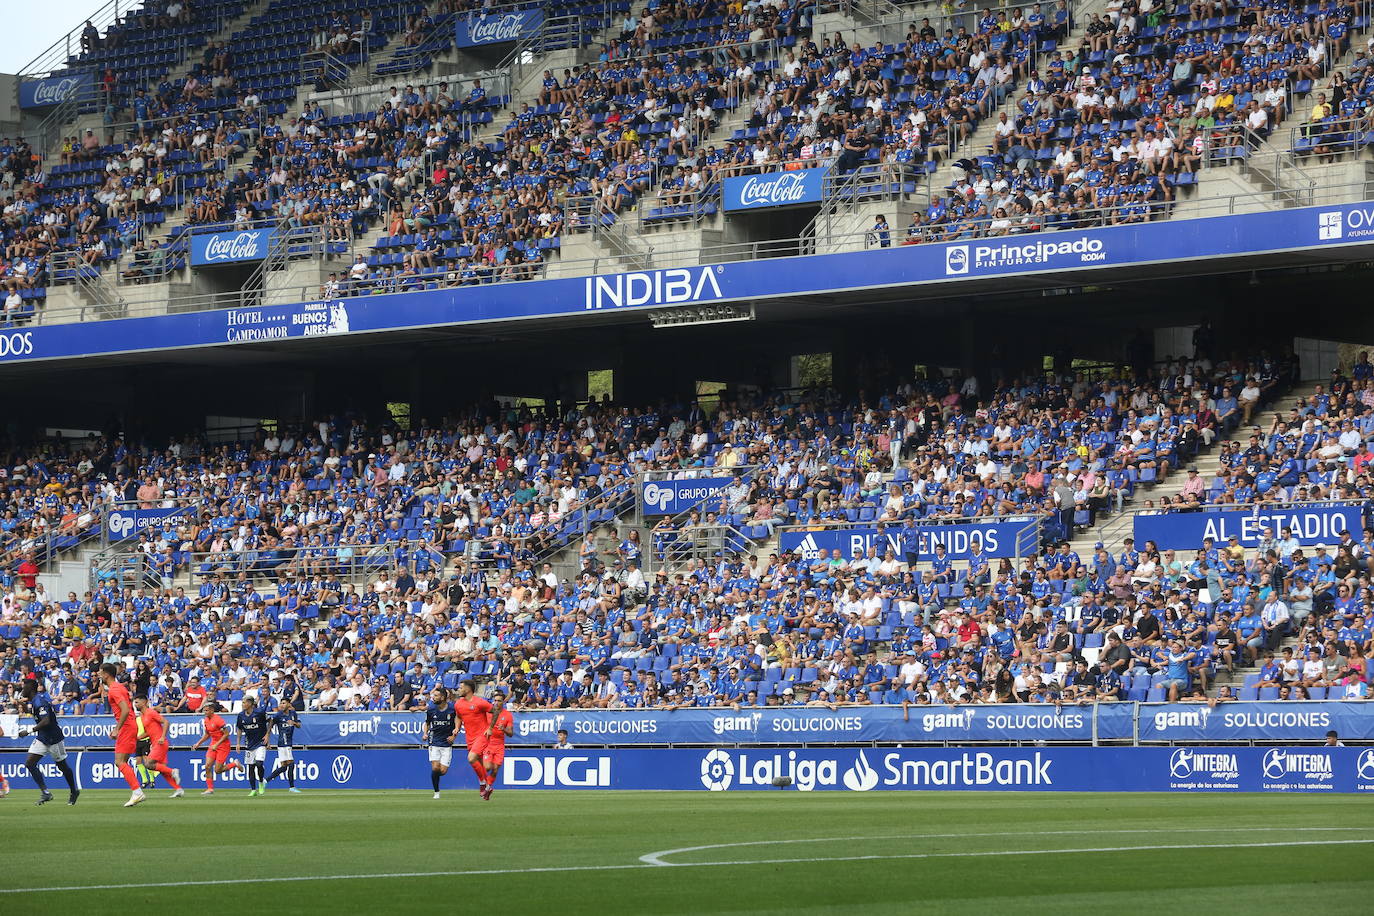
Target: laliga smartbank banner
(869,769)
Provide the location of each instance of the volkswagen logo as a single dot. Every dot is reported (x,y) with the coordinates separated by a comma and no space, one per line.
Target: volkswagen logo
(341,769)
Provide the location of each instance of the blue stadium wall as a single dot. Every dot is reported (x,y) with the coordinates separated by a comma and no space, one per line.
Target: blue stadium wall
(1053,769)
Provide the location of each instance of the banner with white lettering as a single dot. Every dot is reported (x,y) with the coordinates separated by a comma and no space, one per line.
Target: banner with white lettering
(497,28)
(1236,721)
(130,523)
(1257,721)
(670,497)
(54,90)
(1310,525)
(922,270)
(852,769)
(767,725)
(996,539)
(775,189)
(230,247)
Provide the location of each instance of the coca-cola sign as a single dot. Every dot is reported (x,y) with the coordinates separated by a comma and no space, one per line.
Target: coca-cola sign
(775,189)
(497,28)
(54,90)
(230,247)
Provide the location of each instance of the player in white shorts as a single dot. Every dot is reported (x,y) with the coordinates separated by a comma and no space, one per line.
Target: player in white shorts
(441,727)
(285,722)
(49,740)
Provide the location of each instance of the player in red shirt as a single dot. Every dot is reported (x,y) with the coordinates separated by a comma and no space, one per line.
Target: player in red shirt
(217,760)
(125,731)
(155,729)
(501,725)
(475,714)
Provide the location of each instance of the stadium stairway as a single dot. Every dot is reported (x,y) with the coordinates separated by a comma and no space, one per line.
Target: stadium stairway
(95,120)
(68,296)
(1274,165)
(1113,532)
(71,572)
(449,65)
(980,141)
(1216,181)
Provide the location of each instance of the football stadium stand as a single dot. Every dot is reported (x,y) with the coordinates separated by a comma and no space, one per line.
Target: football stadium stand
(778,537)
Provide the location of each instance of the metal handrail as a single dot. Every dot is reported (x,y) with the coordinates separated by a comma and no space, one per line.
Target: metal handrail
(55,56)
(553,34)
(412,58)
(323,66)
(1359,133)
(669,550)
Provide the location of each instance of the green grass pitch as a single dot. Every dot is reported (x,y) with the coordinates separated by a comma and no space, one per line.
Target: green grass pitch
(606,852)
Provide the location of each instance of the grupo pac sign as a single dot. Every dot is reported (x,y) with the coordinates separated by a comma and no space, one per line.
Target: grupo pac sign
(775,189)
(238,247)
(497,28)
(1308,524)
(129,523)
(669,497)
(851,769)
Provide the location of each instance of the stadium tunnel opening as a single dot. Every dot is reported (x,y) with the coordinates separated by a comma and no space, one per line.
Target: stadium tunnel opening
(772,232)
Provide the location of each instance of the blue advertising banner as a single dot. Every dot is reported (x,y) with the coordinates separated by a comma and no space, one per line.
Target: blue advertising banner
(669,497)
(938,265)
(1255,721)
(1310,525)
(54,90)
(1063,769)
(1182,722)
(497,28)
(778,725)
(129,523)
(996,539)
(230,247)
(775,189)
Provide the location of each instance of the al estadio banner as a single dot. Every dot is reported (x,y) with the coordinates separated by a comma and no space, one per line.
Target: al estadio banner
(1309,525)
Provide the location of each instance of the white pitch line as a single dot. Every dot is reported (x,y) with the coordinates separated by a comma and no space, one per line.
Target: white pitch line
(297,878)
(1018,852)
(639,866)
(655,858)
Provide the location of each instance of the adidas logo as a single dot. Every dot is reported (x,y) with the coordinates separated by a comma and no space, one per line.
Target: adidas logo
(808,548)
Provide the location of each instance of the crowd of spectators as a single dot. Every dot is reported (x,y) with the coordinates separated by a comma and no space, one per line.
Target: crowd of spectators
(1103,132)
(360,565)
